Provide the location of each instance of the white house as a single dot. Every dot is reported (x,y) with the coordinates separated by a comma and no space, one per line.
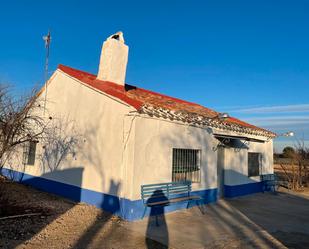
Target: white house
(112,137)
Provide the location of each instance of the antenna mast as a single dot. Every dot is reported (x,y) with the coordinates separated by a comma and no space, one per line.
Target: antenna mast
(47,40)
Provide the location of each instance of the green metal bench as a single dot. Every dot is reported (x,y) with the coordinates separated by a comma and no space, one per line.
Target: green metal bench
(164,194)
(270,182)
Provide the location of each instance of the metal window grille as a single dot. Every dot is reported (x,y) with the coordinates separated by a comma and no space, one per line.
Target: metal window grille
(186,165)
(254,163)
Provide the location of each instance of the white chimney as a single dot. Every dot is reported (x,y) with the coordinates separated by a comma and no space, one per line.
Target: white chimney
(114,59)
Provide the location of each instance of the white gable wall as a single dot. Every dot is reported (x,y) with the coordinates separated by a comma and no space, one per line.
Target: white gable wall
(98,122)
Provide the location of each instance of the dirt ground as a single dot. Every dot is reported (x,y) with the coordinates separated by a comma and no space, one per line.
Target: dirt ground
(60,223)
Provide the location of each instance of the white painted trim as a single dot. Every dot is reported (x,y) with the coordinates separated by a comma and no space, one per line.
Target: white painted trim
(169,121)
(218,131)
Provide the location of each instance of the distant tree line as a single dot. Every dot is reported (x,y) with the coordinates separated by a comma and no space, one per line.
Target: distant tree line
(291,152)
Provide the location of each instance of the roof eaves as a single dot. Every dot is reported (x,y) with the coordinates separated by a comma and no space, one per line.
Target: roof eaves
(202,121)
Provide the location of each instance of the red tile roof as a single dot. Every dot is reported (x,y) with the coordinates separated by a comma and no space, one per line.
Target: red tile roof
(138,98)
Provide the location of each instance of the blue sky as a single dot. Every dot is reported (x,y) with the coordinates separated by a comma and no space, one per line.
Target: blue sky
(248,58)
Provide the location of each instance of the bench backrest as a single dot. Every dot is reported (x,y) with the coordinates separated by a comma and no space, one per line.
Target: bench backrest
(159,191)
(269,177)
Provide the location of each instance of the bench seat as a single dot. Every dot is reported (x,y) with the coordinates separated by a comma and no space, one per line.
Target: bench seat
(174,200)
(164,194)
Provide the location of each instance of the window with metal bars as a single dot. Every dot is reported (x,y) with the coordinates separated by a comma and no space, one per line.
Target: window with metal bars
(29,153)
(186,165)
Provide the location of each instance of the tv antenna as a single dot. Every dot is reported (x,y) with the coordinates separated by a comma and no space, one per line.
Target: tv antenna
(47,39)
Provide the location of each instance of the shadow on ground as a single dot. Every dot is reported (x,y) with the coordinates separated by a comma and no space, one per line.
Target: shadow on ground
(255,221)
(283,215)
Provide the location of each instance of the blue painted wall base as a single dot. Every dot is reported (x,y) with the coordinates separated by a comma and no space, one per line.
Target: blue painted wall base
(127,209)
(244,189)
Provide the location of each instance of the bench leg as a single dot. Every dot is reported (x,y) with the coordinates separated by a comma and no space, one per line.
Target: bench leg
(274,189)
(144,212)
(188,204)
(200,206)
(264,188)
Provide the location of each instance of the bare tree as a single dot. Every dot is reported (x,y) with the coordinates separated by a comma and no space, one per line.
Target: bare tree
(21,121)
(297,173)
(301,159)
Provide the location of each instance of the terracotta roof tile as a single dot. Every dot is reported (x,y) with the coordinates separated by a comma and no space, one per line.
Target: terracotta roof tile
(138,97)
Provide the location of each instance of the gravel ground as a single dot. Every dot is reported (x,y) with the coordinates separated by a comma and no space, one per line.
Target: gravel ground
(60,223)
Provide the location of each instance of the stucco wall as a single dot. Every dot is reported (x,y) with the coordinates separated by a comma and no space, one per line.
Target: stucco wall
(154,142)
(236,163)
(98,123)
(117,151)
(155,139)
